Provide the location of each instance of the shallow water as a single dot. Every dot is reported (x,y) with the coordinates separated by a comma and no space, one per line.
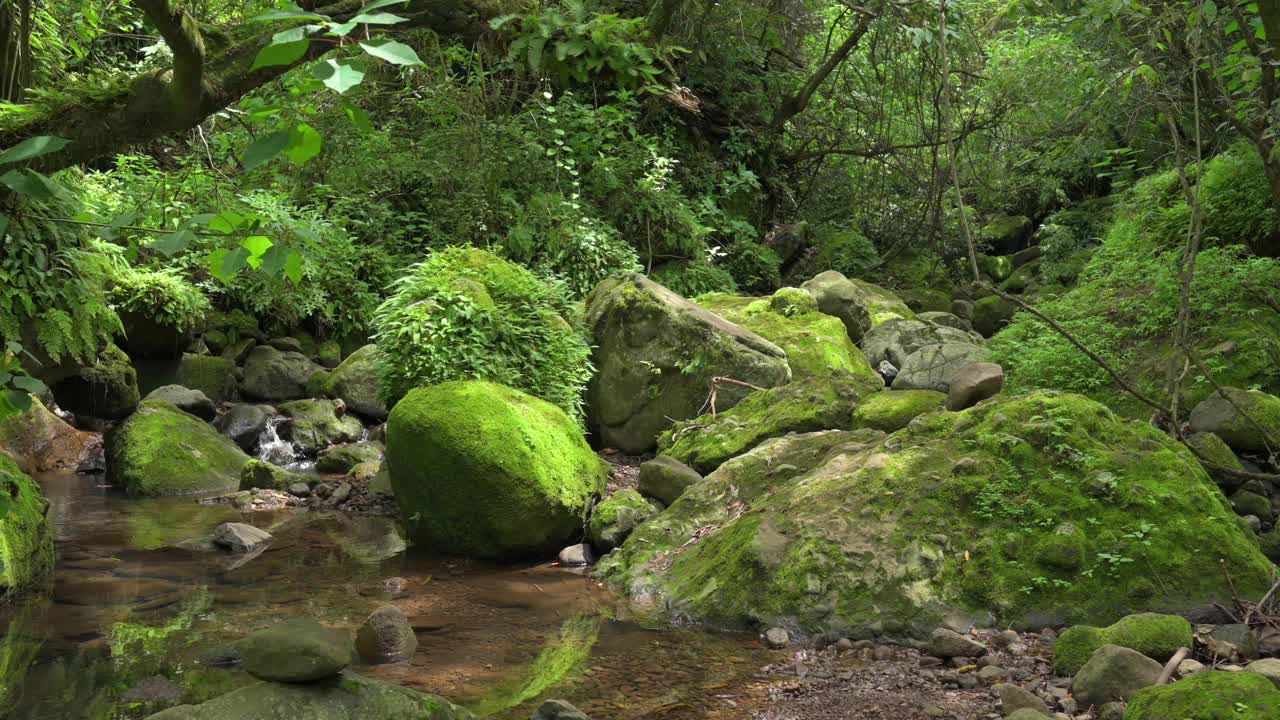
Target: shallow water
(127,605)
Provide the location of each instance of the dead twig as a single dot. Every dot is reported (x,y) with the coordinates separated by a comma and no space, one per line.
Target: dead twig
(1167,673)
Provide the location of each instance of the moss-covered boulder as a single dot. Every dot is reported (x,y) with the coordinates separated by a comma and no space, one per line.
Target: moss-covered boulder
(344,697)
(186,400)
(262,474)
(484,470)
(706,442)
(1007,233)
(41,441)
(355,382)
(894,340)
(1023,511)
(933,367)
(212,375)
(665,478)
(816,344)
(1256,429)
(161,450)
(883,304)
(923,300)
(107,389)
(1214,452)
(837,296)
(26,540)
(341,458)
(316,424)
(991,314)
(655,356)
(1213,695)
(275,375)
(614,519)
(996,267)
(1155,635)
(891,411)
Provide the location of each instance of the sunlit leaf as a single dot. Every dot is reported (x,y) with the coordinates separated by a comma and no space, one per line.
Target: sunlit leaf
(378,4)
(378,18)
(285,53)
(293,268)
(175,242)
(306,144)
(393,52)
(340,75)
(226,222)
(257,245)
(33,148)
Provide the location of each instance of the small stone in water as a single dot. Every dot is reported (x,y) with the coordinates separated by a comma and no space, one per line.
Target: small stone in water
(777,637)
(577,555)
(238,537)
(558,710)
(341,493)
(300,489)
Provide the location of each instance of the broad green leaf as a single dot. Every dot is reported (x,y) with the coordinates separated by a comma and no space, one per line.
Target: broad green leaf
(226,222)
(393,52)
(378,4)
(273,261)
(33,148)
(28,383)
(378,18)
(17,403)
(290,12)
(174,242)
(293,268)
(340,75)
(266,148)
(305,145)
(224,264)
(286,53)
(257,245)
(342,29)
(30,182)
(112,230)
(359,118)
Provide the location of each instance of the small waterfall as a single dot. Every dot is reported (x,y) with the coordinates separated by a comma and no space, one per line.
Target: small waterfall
(272,448)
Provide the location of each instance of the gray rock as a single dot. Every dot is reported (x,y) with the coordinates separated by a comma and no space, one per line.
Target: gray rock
(579,555)
(1028,714)
(945,643)
(244,424)
(777,637)
(295,651)
(946,319)
(386,637)
(656,353)
(973,384)
(1190,667)
(896,339)
(1269,667)
(962,309)
(1237,638)
(665,479)
(1114,673)
(287,344)
(239,537)
(1014,698)
(340,493)
(274,375)
(992,674)
(1218,414)
(355,382)
(1111,711)
(933,367)
(558,710)
(300,489)
(838,297)
(185,399)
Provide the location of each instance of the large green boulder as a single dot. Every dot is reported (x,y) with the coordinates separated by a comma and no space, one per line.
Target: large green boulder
(1007,233)
(656,354)
(316,424)
(26,540)
(161,450)
(345,697)
(1155,635)
(933,367)
(991,314)
(355,382)
(893,410)
(816,344)
(276,375)
(107,389)
(1256,429)
(210,374)
(882,303)
(836,296)
(483,470)
(894,340)
(707,441)
(1213,695)
(1022,511)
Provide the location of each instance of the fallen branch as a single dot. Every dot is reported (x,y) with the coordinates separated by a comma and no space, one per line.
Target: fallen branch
(1167,673)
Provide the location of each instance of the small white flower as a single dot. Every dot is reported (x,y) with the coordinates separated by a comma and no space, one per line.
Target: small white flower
(546,95)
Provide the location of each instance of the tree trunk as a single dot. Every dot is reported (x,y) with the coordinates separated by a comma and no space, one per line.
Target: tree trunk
(15,49)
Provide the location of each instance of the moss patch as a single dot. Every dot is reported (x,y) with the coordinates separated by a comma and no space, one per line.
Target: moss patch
(161,450)
(26,541)
(1213,695)
(1152,634)
(1024,510)
(891,411)
(881,303)
(614,519)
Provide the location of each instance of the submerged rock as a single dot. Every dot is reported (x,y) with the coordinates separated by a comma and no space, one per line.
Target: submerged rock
(386,637)
(186,400)
(345,697)
(1214,695)
(484,470)
(161,450)
(26,540)
(295,651)
(655,356)
(979,514)
(239,537)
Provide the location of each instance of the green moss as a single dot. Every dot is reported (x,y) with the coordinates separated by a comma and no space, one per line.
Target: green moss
(615,518)
(892,410)
(107,389)
(1211,447)
(926,300)
(1213,695)
(1025,510)
(341,458)
(1154,635)
(881,303)
(998,268)
(559,660)
(316,424)
(992,313)
(485,470)
(1005,231)
(262,474)
(211,375)
(161,450)
(817,345)
(706,442)
(26,542)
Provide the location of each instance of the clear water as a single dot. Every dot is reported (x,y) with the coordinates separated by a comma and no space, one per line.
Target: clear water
(127,605)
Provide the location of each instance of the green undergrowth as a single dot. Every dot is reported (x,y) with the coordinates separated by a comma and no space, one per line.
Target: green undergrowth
(26,542)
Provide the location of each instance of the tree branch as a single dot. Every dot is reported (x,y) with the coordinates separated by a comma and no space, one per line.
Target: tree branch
(795,104)
(180,32)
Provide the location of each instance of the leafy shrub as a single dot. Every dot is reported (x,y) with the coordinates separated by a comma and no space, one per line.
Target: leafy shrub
(557,240)
(755,268)
(163,295)
(691,278)
(465,313)
(846,251)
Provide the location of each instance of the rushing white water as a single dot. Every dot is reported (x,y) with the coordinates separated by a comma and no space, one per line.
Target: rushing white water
(274,449)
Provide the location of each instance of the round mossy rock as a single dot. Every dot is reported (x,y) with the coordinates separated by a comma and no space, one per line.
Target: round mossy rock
(26,540)
(484,470)
(107,389)
(615,518)
(355,382)
(1155,635)
(892,410)
(1213,695)
(161,450)
(296,651)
